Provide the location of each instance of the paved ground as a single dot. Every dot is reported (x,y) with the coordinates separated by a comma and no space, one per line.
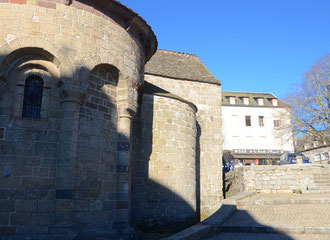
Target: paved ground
(297,216)
(302,215)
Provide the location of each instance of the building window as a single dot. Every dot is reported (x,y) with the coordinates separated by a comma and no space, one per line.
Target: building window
(261,121)
(32,97)
(317,157)
(246,101)
(232,100)
(276,123)
(260,101)
(274,102)
(325,156)
(248,121)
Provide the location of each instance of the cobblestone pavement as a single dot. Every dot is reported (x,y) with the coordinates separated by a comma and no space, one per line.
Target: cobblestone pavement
(302,215)
(298,216)
(264,236)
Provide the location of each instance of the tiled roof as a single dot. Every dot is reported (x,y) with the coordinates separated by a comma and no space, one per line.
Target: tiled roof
(180,66)
(253,99)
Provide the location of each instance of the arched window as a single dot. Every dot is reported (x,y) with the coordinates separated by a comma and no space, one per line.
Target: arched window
(32,97)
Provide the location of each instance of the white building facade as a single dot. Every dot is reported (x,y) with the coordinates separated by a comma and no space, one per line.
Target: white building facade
(256,127)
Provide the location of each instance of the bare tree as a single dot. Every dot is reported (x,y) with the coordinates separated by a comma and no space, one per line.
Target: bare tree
(310,103)
(283,129)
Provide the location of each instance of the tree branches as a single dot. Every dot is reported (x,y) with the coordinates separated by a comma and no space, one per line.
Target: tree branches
(310,103)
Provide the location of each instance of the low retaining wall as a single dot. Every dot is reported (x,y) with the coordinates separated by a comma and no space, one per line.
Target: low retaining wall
(273,179)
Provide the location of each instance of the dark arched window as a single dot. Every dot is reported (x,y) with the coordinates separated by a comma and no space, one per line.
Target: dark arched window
(32,97)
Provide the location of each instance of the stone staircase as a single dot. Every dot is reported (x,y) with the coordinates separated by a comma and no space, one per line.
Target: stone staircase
(321,180)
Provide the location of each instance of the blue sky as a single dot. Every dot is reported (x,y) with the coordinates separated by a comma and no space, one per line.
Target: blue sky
(249,45)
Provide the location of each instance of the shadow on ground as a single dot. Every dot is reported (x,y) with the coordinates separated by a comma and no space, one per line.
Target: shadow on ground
(235,224)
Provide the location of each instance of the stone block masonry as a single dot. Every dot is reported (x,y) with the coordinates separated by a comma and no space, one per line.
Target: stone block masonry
(66,173)
(207,98)
(65,167)
(164,178)
(281,179)
(273,179)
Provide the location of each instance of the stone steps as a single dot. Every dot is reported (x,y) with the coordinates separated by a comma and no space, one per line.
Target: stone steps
(323,183)
(269,236)
(275,229)
(284,201)
(325,178)
(320,174)
(316,191)
(320,178)
(320,187)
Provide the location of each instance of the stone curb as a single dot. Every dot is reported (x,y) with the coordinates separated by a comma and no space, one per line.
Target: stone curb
(283,201)
(275,229)
(211,225)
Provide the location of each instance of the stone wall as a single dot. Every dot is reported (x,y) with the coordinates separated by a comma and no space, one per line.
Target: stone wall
(277,179)
(67,173)
(164,178)
(95,172)
(233,183)
(273,179)
(207,98)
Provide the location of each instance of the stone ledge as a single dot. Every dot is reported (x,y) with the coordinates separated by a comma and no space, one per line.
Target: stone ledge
(211,225)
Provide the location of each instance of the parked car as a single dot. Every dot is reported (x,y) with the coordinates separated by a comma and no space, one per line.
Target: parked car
(291,158)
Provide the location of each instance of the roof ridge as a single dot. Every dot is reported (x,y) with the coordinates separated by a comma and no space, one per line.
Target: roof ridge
(177,53)
(249,92)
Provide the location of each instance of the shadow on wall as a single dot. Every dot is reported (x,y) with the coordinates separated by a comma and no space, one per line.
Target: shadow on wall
(65,164)
(66,167)
(67,172)
(157,204)
(198,172)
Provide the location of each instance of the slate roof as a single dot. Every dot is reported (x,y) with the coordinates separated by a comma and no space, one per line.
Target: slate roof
(253,99)
(179,66)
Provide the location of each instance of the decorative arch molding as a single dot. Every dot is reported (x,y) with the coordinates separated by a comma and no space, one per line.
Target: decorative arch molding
(126,89)
(27,59)
(92,61)
(21,70)
(20,59)
(40,65)
(39,48)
